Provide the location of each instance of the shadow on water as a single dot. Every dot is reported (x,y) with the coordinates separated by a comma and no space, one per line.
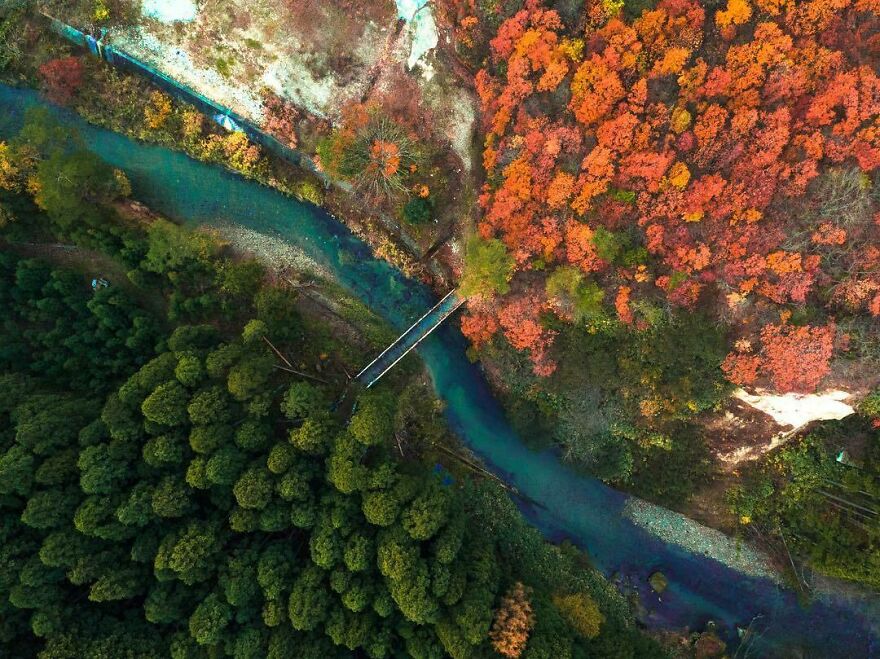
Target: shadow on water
(564,504)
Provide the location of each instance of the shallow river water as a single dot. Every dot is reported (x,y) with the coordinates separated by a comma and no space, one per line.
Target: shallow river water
(566,504)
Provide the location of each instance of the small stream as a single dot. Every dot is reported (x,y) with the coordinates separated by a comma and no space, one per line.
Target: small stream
(566,504)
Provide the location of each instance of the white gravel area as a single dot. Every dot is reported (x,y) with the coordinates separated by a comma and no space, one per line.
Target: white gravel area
(176,63)
(675,528)
(273,252)
(420,20)
(797,410)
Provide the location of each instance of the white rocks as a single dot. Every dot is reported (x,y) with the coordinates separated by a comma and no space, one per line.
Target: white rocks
(675,528)
(420,19)
(797,410)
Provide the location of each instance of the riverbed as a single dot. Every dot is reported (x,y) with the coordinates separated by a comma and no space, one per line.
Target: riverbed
(564,504)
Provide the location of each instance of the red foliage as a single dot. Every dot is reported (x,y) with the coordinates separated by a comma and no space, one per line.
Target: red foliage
(479,324)
(797,358)
(62,78)
(520,321)
(741,369)
(281,118)
(794,358)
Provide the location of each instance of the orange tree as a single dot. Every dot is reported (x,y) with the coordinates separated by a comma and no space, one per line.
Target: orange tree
(375,153)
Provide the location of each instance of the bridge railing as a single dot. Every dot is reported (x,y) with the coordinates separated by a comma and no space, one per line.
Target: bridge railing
(407,341)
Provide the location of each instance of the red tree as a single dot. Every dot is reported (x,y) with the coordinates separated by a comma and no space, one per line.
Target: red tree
(62,78)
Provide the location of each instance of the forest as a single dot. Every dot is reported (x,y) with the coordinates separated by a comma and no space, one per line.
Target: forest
(683,159)
(169,488)
(679,198)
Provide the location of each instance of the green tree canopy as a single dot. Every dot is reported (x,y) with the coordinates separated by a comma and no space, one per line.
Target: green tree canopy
(488,268)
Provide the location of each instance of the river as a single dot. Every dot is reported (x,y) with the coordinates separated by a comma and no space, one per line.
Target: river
(570,505)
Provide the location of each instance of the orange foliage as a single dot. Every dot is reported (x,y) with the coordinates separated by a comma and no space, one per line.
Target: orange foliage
(829,234)
(580,250)
(704,154)
(783,262)
(797,358)
(513,622)
(560,190)
(737,13)
(385,157)
(621,304)
(595,90)
(672,62)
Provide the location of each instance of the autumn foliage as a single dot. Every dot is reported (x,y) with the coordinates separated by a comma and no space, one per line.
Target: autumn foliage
(729,152)
(158,110)
(62,78)
(513,622)
(281,117)
(794,358)
(373,151)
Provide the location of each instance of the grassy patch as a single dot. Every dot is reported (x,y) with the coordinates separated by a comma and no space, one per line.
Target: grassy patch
(224,67)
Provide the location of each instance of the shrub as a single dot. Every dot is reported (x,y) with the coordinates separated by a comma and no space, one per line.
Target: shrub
(419,210)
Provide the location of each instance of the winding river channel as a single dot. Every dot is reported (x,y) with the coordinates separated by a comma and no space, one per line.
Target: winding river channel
(565,504)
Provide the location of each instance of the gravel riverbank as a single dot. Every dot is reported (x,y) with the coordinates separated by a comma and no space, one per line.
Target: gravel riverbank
(274,253)
(675,528)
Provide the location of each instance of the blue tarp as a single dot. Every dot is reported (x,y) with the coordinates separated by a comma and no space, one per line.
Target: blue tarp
(227,122)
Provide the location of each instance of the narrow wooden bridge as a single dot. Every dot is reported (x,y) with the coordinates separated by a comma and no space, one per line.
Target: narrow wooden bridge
(410,339)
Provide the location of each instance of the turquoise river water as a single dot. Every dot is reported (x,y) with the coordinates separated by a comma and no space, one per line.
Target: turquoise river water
(565,504)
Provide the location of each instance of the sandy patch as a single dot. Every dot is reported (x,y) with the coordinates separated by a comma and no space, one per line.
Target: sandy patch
(797,410)
(750,425)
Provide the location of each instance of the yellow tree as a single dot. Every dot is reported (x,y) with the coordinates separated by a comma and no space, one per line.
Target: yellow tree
(581,612)
(158,110)
(9,170)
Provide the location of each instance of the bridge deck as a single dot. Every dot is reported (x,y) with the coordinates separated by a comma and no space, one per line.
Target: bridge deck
(410,339)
